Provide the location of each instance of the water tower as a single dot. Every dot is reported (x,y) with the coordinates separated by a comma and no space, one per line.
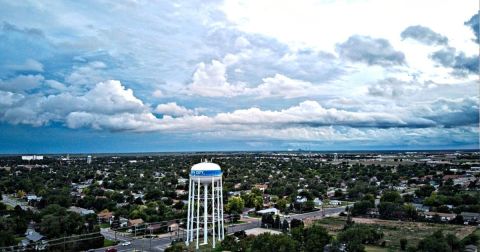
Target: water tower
(205,193)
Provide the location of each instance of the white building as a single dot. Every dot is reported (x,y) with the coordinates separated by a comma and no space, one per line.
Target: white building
(32,157)
(272,210)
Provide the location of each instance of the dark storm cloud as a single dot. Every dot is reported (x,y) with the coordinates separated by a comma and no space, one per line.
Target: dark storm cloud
(424,35)
(373,51)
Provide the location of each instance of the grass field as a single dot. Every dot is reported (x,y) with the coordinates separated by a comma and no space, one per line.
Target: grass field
(395,230)
(108,243)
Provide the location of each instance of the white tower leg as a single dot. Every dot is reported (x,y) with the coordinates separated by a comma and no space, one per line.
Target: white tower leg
(188,211)
(213,213)
(218,211)
(192,217)
(198,212)
(205,215)
(221,209)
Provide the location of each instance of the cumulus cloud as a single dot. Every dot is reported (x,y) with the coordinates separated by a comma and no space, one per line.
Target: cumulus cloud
(424,35)
(210,80)
(282,86)
(108,98)
(372,51)
(473,23)
(173,109)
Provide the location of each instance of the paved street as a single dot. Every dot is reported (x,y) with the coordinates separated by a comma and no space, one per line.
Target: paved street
(159,244)
(13,202)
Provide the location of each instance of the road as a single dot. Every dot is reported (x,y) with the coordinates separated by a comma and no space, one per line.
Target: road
(14,202)
(160,244)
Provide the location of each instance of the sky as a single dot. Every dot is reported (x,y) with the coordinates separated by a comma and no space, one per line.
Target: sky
(156,76)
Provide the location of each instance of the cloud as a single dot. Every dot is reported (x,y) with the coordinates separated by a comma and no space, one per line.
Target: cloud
(474,25)
(394,88)
(173,109)
(282,86)
(106,99)
(462,64)
(210,80)
(370,50)
(29,65)
(424,35)
(453,112)
(22,83)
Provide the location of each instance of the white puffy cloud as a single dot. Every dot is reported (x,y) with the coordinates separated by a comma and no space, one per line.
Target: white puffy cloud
(173,109)
(210,80)
(282,86)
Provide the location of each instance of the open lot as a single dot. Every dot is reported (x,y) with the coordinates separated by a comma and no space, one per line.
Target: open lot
(395,230)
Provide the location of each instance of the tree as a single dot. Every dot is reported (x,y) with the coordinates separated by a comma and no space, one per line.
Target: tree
(315,238)
(425,191)
(281,204)
(267,220)
(285,226)
(269,242)
(6,238)
(356,235)
(235,205)
(391,196)
(309,205)
(276,223)
(410,211)
(390,210)
(296,223)
(403,244)
(361,207)
(434,243)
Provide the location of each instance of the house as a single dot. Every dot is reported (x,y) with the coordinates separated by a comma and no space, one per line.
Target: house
(421,207)
(173,227)
(443,216)
(317,202)
(81,211)
(123,222)
(335,202)
(182,181)
(180,192)
(32,197)
(261,187)
(301,199)
(470,217)
(105,216)
(272,210)
(34,239)
(135,222)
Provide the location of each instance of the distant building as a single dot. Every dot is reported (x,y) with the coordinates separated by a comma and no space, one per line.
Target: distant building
(32,157)
(105,216)
(135,222)
(261,187)
(33,238)
(89,159)
(470,217)
(272,210)
(81,211)
(443,216)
